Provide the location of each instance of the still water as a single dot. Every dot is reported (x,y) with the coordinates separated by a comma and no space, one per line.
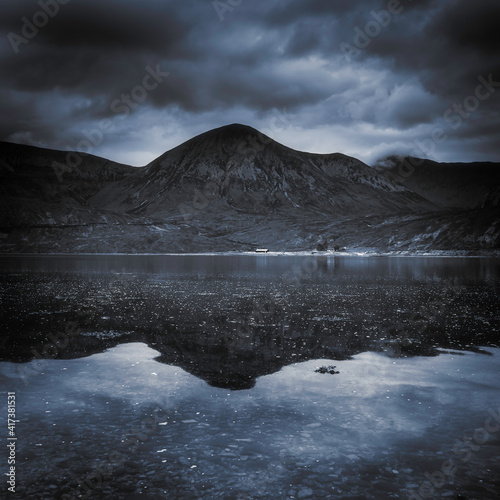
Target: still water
(212,376)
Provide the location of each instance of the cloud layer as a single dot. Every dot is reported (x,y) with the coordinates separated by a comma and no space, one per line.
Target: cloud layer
(133,78)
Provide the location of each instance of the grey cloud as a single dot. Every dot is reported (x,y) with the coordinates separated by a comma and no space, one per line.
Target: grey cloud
(264,55)
(286,13)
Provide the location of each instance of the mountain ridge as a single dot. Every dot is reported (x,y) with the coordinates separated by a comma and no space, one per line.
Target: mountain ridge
(234,188)
(449,185)
(242,162)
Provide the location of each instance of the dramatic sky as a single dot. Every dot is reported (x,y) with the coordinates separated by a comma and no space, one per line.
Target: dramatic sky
(130,79)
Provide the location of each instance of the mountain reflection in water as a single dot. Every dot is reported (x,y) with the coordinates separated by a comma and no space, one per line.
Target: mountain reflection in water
(231,319)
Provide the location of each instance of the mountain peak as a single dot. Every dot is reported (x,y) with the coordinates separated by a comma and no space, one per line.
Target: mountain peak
(231,138)
(237,128)
(234,132)
(235,188)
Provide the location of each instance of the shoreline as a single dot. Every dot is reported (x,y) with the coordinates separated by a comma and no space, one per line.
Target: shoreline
(298,253)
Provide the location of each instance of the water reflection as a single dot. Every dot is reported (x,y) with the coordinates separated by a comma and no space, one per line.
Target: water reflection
(138,418)
(232,319)
(374,430)
(487,269)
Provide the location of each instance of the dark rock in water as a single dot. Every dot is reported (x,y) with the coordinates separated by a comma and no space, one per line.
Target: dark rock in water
(327,369)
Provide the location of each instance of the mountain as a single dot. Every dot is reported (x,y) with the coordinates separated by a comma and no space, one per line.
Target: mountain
(233,188)
(37,186)
(248,172)
(448,185)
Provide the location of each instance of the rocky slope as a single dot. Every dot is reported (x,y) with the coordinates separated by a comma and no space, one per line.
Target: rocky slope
(234,188)
(448,185)
(242,170)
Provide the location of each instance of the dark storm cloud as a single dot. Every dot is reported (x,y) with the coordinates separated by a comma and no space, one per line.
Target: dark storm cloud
(288,13)
(253,58)
(98,48)
(146,25)
(93,45)
(448,44)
